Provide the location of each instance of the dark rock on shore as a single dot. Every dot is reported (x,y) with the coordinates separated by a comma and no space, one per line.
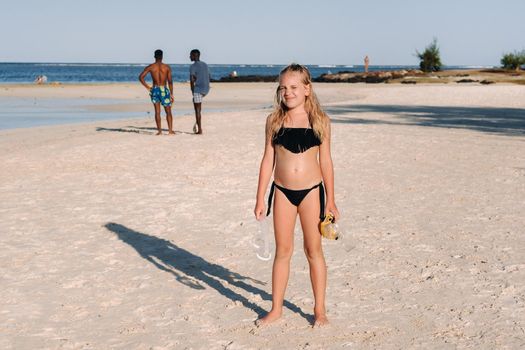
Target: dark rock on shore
(370,77)
(467,81)
(397,76)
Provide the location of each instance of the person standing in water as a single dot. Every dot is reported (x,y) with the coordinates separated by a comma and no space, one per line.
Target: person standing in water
(297,153)
(161,91)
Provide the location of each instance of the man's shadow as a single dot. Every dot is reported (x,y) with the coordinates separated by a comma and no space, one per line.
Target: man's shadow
(193,271)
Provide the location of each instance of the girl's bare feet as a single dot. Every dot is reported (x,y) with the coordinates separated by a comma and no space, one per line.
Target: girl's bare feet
(320,319)
(270,317)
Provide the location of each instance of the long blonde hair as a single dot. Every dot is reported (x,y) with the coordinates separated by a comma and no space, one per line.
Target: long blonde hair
(317,117)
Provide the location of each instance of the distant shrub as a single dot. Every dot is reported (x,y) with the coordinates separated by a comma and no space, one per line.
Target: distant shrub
(513,60)
(430,60)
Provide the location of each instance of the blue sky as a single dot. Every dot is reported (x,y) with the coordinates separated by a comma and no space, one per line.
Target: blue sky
(275,32)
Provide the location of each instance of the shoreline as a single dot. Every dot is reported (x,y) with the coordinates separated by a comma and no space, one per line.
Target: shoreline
(118,101)
(121,100)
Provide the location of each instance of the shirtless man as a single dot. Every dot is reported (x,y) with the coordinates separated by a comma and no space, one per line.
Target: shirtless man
(161,91)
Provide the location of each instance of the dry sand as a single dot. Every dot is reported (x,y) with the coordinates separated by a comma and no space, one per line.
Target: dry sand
(114,238)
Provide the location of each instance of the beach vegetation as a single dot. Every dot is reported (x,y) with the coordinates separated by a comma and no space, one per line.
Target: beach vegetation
(513,60)
(430,59)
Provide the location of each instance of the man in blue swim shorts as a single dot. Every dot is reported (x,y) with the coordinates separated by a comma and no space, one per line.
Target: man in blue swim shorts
(160,92)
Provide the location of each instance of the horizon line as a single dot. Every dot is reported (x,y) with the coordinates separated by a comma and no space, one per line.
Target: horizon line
(328,65)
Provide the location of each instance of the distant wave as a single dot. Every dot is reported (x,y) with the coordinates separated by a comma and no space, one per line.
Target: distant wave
(327,66)
(477,67)
(90,64)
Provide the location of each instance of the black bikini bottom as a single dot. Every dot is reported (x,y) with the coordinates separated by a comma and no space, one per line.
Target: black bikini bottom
(296,196)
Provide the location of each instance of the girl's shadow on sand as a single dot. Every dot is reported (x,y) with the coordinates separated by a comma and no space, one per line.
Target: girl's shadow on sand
(193,271)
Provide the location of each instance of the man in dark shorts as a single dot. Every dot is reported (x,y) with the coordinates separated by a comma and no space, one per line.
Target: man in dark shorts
(161,91)
(200,86)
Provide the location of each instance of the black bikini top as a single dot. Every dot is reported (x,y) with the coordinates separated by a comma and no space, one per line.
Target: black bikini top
(296,140)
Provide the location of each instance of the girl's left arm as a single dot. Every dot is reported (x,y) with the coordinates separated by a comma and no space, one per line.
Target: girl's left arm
(327,171)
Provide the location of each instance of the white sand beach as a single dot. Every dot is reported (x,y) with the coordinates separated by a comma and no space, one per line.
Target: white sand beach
(113,238)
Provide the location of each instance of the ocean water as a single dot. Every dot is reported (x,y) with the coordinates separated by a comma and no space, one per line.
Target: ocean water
(30,112)
(123,72)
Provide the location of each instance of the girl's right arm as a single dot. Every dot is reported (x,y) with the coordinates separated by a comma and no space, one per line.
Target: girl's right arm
(265,173)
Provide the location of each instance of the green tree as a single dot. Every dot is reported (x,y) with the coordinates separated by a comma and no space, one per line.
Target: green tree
(513,60)
(430,60)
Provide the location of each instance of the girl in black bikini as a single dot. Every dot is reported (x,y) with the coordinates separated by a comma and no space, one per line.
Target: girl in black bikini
(297,152)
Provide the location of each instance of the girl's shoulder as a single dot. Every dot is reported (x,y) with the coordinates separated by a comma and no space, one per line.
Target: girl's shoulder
(272,119)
